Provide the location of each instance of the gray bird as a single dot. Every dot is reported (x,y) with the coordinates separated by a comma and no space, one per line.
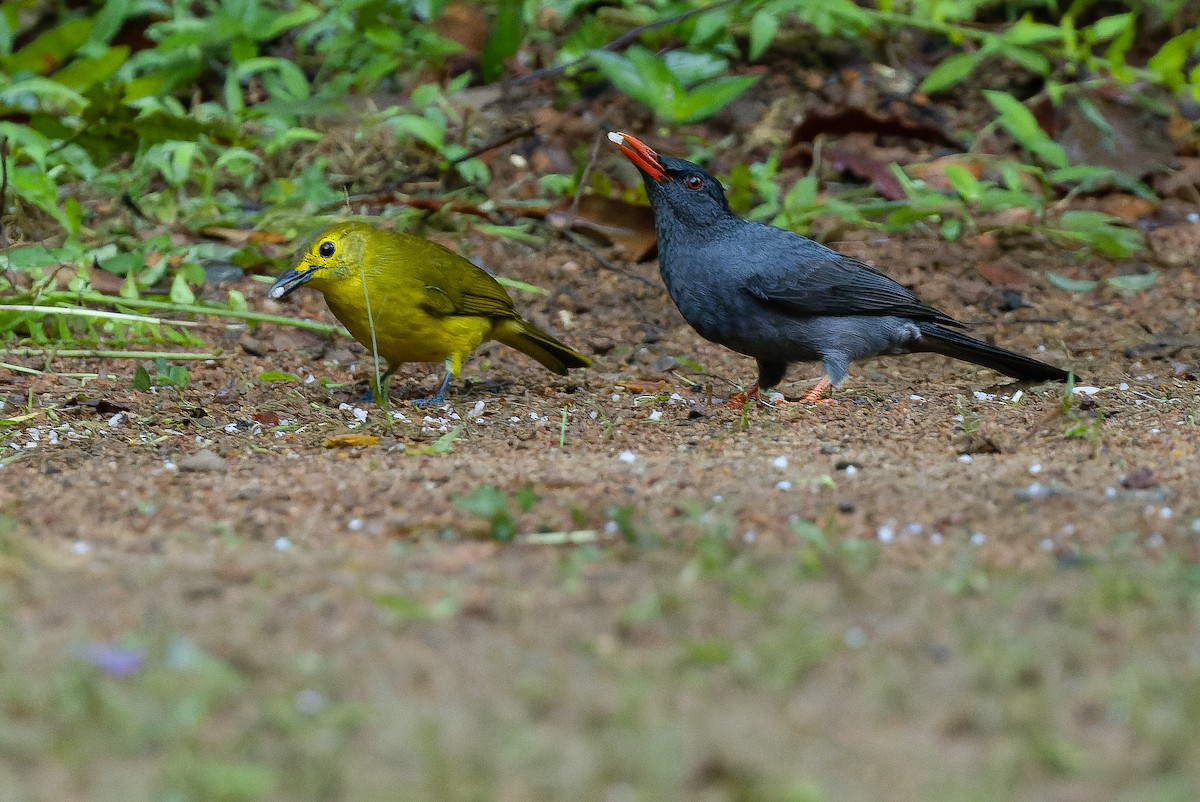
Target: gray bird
(780,297)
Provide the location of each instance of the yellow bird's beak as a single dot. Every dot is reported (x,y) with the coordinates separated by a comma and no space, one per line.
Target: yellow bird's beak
(288,282)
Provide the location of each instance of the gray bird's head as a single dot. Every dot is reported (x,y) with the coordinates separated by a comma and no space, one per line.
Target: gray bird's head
(682,193)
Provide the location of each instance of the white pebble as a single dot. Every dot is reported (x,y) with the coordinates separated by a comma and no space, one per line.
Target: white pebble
(780,462)
(916,398)
(855,638)
(1047,544)
(117,420)
(615,396)
(514,419)
(533,416)
(964,458)
(1086,389)
(170,466)
(656,415)
(977,538)
(355,524)
(81,547)
(1110,492)
(885,534)
(717,500)
(627,456)
(360,414)
(1122,386)
(1155,540)
(282,543)
(309,702)
(1195,527)
(936,538)
(784,485)
(1165,513)
(1035,468)
(476,410)
(611,528)
(311,378)
(913,528)
(749,536)
(982,396)
(851,470)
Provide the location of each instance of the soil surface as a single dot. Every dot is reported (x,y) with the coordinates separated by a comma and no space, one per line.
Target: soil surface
(658,534)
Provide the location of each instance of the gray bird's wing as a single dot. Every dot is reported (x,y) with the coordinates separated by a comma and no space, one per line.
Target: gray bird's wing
(810,280)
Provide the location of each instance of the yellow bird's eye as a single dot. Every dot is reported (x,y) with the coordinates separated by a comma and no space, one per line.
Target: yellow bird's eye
(327,249)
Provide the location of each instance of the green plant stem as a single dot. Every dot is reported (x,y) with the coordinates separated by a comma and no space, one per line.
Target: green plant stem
(79,311)
(195,309)
(94,353)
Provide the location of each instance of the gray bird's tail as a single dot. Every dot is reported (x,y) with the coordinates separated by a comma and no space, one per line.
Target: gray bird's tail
(939,340)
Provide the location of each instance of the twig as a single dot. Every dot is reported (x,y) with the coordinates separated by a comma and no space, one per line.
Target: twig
(583,178)
(604,263)
(630,36)
(392,186)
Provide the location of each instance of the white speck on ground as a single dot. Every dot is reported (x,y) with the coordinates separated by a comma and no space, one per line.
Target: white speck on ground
(627,456)
(885,533)
(978,538)
(780,462)
(784,485)
(282,543)
(355,524)
(964,458)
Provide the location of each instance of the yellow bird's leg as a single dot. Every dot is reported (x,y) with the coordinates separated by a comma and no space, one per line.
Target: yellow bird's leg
(453,366)
(380,390)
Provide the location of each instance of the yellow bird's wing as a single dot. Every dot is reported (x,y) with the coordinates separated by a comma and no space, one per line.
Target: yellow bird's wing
(452,285)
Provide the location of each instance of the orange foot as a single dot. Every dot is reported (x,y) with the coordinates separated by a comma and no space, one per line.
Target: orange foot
(813,396)
(738,401)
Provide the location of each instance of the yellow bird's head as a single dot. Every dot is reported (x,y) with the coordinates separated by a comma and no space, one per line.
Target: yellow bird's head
(331,254)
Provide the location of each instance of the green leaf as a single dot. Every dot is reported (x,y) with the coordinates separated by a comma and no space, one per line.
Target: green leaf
(763,27)
(1106,28)
(1169,61)
(691,68)
(504,41)
(950,72)
(445,443)
(181,293)
(965,184)
(1135,282)
(709,98)
(1028,32)
(278,376)
(48,52)
(83,73)
(1020,122)
(141,379)
(1071,284)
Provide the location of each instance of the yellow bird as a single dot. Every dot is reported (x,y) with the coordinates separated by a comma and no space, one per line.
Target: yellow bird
(428,303)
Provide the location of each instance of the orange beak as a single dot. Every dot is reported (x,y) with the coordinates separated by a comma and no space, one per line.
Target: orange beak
(638,152)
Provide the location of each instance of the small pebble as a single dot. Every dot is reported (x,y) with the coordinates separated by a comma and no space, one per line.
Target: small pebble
(627,456)
(81,547)
(1047,544)
(309,702)
(851,470)
(855,638)
(780,462)
(1165,513)
(749,536)
(964,458)
(885,534)
(203,460)
(784,485)
(1110,492)
(936,538)
(282,544)
(355,524)
(977,538)
(1035,468)
(656,415)
(1086,389)
(611,528)
(1155,540)
(916,398)
(1122,386)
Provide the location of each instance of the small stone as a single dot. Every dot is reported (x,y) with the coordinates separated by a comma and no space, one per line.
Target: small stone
(203,460)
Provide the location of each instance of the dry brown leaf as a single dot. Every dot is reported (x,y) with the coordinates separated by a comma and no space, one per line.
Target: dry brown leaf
(627,226)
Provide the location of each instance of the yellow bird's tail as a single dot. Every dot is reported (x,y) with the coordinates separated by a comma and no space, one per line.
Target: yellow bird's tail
(532,341)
